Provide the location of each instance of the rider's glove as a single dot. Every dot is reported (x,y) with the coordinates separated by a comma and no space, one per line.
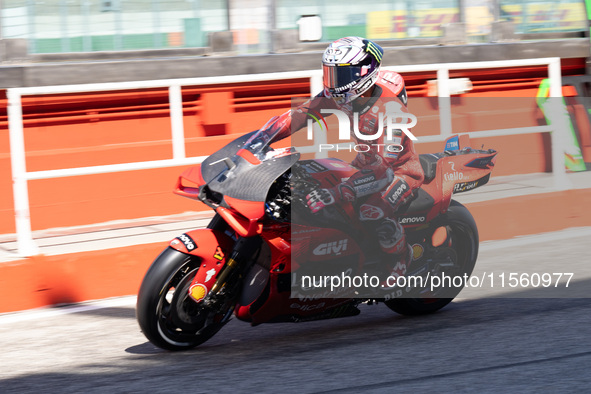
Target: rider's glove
(320,199)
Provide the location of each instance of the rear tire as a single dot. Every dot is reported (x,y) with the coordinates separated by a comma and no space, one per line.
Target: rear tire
(462,244)
(417,306)
(167,316)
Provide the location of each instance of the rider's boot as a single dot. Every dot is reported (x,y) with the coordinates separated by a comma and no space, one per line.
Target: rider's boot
(392,241)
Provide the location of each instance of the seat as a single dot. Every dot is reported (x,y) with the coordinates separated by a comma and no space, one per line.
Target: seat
(429,163)
(420,204)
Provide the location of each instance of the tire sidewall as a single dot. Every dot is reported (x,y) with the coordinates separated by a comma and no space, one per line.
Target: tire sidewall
(456,215)
(149,296)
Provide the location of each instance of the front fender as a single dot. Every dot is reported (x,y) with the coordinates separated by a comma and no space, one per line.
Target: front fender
(212,247)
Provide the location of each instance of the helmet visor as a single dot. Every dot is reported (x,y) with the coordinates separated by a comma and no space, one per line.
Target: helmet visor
(338,78)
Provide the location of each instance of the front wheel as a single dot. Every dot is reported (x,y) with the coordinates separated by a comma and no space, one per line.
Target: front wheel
(455,256)
(167,316)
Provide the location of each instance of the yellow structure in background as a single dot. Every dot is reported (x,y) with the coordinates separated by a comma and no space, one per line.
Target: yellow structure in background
(397,24)
(478,20)
(547,16)
(528,18)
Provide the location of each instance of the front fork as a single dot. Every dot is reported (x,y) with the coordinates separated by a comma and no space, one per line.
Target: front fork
(224,259)
(228,282)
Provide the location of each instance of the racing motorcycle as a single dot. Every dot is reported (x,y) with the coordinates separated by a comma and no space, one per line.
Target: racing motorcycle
(246,262)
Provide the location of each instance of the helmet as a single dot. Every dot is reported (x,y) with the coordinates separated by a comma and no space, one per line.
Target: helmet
(350,67)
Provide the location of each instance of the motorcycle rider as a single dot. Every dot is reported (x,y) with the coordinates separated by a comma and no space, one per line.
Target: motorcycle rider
(386,179)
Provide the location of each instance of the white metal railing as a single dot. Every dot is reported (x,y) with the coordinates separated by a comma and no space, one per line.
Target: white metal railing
(28,247)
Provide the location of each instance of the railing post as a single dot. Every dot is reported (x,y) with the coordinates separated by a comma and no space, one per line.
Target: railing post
(445,123)
(175,99)
(559,123)
(26,243)
(316,85)
(24,236)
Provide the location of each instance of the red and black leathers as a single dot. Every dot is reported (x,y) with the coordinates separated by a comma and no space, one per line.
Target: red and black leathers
(386,179)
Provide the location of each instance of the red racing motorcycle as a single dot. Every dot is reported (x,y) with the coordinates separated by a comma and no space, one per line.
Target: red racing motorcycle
(250,260)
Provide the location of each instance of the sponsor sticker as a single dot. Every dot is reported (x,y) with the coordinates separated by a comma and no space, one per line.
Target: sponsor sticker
(453,176)
(348,193)
(315,167)
(412,220)
(453,143)
(465,186)
(417,251)
(198,291)
(188,242)
(370,212)
(210,274)
(396,192)
(364,180)
(335,247)
(219,254)
(366,189)
(338,165)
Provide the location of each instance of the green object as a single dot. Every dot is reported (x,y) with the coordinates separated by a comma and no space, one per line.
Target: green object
(573,159)
(101,43)
(335,32)
(588,8)
(194,36)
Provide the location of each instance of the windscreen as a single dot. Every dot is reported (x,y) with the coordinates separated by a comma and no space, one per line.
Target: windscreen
(259,143)
(231,175)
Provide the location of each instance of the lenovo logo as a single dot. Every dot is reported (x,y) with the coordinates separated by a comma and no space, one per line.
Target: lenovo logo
(415,219)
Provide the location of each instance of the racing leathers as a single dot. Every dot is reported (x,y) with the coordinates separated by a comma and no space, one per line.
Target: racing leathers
(389,170)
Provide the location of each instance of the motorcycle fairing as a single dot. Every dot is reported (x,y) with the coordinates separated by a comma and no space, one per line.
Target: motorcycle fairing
(247,181)
(212,166)
(433,199)
(212,247)
(275,297)
(276,294)
(447,173)
(234,172)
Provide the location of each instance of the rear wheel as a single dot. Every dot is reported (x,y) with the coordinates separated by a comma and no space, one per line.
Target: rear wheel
(454,257)
(168,317)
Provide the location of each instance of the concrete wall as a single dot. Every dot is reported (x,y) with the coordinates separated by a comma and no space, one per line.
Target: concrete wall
(58,69)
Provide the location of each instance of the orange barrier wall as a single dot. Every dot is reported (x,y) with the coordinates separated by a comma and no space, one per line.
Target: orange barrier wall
(106,128)
(66,131)
(62,279)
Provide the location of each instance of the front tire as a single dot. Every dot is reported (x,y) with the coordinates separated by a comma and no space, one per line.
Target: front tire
(460,248)
(167,316)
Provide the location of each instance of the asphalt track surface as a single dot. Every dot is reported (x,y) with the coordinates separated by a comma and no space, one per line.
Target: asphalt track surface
(476,344)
